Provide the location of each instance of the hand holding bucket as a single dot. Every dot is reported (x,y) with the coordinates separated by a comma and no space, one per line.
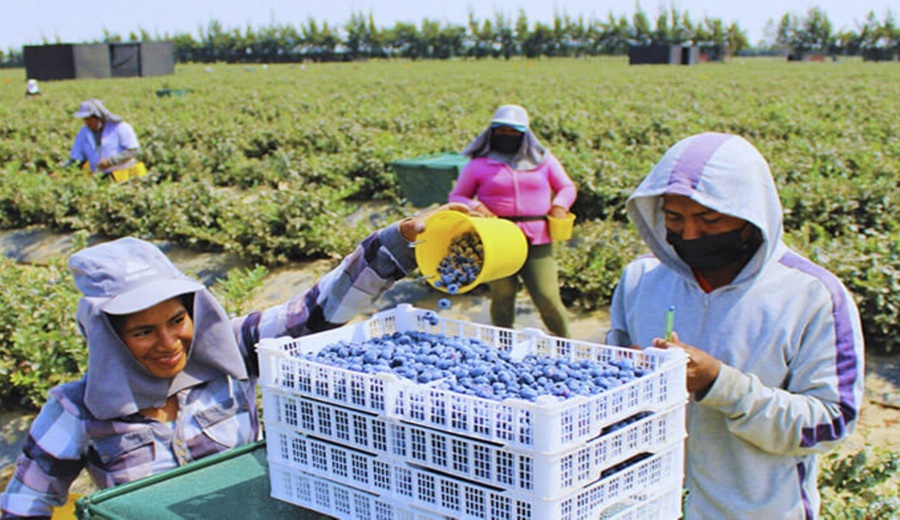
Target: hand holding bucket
(505,247)
(412,227)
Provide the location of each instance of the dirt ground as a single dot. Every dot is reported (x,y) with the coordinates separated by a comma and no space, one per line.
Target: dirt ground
(879,419)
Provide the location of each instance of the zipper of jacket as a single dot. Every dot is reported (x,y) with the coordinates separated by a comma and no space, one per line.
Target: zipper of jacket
(515,182)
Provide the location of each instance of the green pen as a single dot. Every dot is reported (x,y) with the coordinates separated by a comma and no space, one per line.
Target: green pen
(670,322)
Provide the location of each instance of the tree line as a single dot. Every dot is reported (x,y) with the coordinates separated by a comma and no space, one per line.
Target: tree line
(814,33)
(503,36)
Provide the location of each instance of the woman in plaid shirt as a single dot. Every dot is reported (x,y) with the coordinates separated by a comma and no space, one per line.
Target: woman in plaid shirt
(171,379)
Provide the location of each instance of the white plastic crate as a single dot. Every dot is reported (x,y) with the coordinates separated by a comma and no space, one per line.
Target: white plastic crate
(543,476)
(339,501)
(646,506)
(421,487)
(547,426)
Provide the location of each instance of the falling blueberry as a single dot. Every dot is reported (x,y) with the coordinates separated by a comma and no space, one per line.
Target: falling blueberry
(443,303)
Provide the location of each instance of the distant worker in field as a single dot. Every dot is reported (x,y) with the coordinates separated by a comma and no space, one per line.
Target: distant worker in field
(106,143)
(774,341)
(32,89)
(171,377)
(512,176)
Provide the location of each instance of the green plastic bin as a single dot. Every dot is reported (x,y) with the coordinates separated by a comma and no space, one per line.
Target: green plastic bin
(428,179)
(171,92)
(233,484)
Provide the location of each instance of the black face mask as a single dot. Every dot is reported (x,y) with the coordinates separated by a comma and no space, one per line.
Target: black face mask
(715,251)
(505,143)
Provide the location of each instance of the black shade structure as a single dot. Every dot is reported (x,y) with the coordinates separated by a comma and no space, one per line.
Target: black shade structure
(157,58)
(663,54)
(67,61)
(98,60)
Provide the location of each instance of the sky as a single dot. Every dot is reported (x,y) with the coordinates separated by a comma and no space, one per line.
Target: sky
(27,22)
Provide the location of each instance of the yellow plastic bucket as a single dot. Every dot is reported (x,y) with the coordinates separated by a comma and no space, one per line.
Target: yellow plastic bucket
(561,228)
(505,246)
(138,170)
(67,510)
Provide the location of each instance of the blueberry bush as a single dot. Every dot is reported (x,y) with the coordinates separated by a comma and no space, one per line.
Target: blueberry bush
(265,163)
(861,485)
(268,164)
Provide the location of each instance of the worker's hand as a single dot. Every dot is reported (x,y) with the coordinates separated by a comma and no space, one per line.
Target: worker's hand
(412,227)
(103,164)
(483,211)
(558,212)
(702,369)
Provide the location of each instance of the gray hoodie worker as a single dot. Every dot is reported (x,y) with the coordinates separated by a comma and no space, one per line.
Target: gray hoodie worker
(774,340)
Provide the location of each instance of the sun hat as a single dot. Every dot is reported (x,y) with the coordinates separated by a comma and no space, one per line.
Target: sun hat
(130,273)
(94,107)
(529,156)
(511,115)
(87,109)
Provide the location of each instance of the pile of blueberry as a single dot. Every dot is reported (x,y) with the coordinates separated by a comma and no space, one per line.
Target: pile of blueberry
(470,366)
(463,263)
(624,422)
(624,464)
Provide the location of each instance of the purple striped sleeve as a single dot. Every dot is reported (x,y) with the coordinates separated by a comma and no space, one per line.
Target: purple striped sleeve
(381,259)
(846,361)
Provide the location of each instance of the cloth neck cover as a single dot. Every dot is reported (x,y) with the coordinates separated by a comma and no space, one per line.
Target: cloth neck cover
(116,383)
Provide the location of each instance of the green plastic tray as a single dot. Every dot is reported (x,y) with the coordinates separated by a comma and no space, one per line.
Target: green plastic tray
(234,484)
(428,179)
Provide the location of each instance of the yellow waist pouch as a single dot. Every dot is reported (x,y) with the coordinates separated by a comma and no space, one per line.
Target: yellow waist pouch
(138,170)
(561,228)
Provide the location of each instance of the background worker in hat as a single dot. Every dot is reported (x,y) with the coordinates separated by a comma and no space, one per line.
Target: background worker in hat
(105,142)
(171,379)
(32,89)
(511,175)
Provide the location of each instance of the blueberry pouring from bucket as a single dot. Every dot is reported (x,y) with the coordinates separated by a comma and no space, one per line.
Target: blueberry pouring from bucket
(458,252)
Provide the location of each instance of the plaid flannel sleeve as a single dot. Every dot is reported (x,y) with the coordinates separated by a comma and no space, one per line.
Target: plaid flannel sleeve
(51,460)
(380,260)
